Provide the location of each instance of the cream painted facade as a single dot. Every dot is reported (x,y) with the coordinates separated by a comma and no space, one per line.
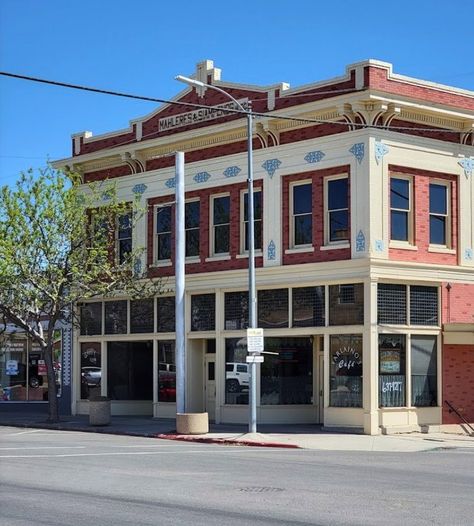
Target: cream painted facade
(368,152)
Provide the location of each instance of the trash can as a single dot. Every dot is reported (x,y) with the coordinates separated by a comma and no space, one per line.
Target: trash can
(99,411)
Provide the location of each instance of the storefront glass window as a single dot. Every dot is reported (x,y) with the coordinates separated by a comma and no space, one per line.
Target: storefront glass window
(91,319)
(287,378)
(141,316)
(423,371)
(273,308)
(236,308)
(392,370)
(345,370)
(308,307)
(13,371)
(166,371)
(203,312)
(130,370)
(346,304)
(91,372)
(165,312)
(116,317)
(236,371)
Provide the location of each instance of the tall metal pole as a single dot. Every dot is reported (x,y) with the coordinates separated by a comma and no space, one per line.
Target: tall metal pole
(180,284)
(252,293)
(251,236)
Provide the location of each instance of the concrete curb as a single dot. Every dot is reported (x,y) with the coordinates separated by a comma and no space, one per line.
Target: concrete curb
(226,441)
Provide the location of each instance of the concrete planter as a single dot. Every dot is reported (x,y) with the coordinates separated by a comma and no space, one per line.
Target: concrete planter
(99,411)
(192,423)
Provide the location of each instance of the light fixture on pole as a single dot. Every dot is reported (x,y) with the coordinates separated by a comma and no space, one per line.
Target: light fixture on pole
(251,236)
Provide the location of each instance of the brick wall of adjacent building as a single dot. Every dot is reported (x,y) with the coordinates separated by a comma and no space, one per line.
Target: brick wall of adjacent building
(457,303)
(458,382)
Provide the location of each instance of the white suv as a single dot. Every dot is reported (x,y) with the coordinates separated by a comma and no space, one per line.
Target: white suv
(236,377)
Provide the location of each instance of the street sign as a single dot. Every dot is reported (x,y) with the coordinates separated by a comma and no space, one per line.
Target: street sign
(254,359)
(254,340)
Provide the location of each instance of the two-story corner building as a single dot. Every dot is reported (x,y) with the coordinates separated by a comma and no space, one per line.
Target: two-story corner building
(364,221)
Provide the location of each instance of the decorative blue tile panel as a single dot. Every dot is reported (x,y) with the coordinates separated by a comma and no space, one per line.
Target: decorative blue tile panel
(314,157)
(358,151)
(271,166)
(468,165)
(171,183)
(139,189)
(379,245)
(137,267)
(271,251)
(202,177)
(232,171)
(468,255)
(360,242)
(107,195)
(381,149)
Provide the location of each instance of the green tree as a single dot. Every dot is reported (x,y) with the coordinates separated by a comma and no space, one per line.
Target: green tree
(58,247)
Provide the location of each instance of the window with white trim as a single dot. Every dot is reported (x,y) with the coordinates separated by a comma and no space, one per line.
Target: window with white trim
(301,214)
(191,220)
(124,237)
(163,220)
(337,210)
(257,220)
(220,230)
(401,216)
(439,214)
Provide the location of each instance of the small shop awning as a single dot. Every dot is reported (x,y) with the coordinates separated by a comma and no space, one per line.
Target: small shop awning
(458,333)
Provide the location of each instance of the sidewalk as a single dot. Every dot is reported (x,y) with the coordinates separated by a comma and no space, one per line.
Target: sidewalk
(284,436)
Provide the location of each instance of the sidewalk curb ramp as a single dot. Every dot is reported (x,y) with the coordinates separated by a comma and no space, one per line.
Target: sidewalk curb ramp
(226,441)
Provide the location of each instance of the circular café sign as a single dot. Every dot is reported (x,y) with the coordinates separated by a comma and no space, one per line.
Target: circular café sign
(347,358)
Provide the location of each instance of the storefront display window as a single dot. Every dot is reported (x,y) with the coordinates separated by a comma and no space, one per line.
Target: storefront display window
(346,304)
(287,377)
(91,319)
(308,307)
(236,308)
(203,312)
(91,371)
(392,370)
(273,308)
(115,317)
(130,370)
(424,371)
(142,316)
(236,371)
(166,371)
(345,370)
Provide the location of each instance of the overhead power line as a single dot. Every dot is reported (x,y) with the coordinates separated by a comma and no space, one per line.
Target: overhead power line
(275,115)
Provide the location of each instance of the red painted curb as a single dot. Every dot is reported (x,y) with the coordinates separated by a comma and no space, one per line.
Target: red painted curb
(226,441)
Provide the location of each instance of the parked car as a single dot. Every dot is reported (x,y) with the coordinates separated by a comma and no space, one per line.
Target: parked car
(91,376)
(236,377)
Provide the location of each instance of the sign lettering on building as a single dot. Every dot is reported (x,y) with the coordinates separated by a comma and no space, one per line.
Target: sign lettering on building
(197,116)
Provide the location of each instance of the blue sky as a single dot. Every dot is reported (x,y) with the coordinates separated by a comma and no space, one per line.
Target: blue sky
(139,47)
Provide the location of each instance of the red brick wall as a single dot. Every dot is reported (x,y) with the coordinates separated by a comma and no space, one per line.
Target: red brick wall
(107,173)
(376,77)
(421,209)
(317,179)
(457,303)
(458,382)
(204,249)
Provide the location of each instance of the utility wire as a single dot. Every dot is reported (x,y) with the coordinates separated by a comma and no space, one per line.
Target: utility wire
(225,110)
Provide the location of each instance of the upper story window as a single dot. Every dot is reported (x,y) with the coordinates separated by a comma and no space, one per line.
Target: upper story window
(337,210)
(163,232)
(124,237)
(439,214)
(220,230)
(257,207)
(401,209)
(301,215)
(192,215)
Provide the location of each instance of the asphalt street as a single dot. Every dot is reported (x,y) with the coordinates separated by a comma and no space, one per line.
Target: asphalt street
(64,478)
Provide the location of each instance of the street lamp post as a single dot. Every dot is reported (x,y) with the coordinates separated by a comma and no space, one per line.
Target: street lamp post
(251,237)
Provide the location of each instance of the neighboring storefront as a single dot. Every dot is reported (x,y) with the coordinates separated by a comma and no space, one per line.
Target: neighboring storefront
(23,376)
